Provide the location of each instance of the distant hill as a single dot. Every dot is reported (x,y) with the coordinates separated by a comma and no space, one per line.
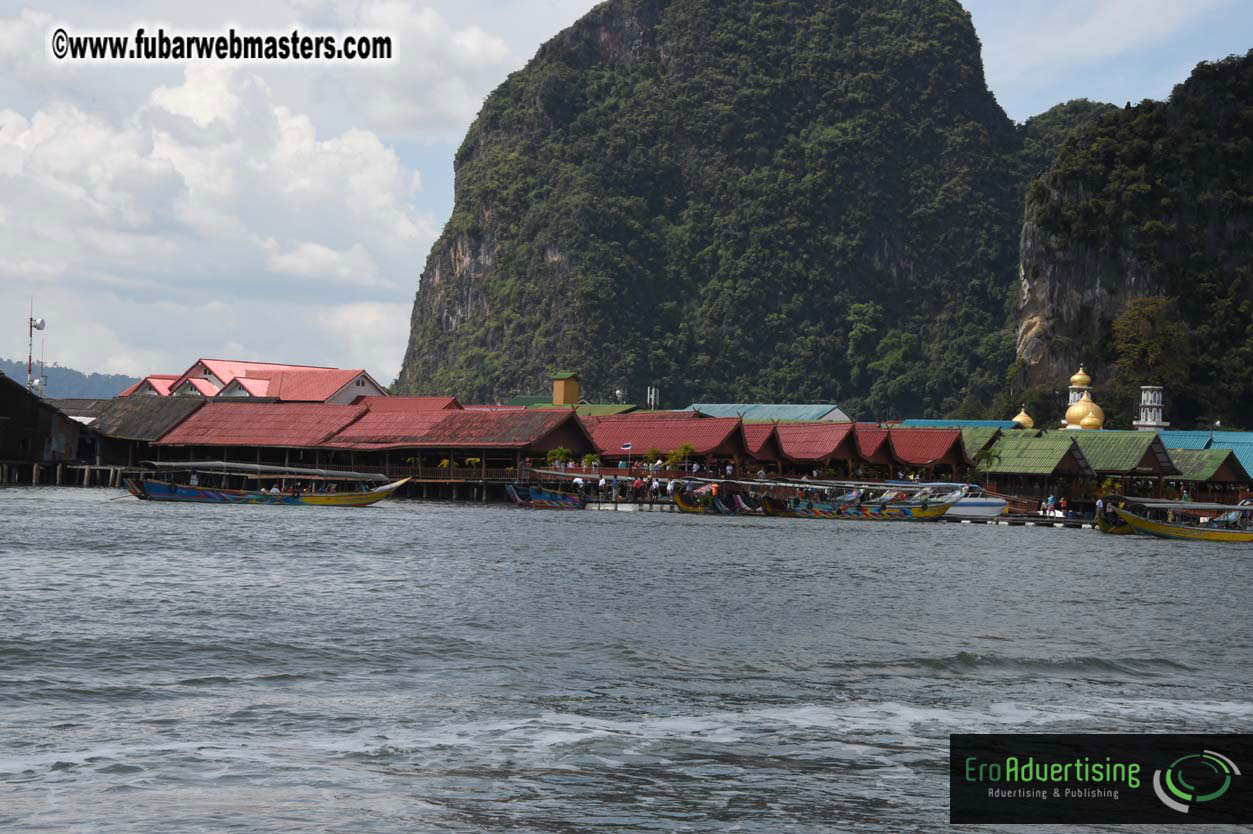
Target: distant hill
(67,383)
(1137,257)
(739,201)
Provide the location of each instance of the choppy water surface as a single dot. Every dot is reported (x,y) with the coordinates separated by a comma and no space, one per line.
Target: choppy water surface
(422,667)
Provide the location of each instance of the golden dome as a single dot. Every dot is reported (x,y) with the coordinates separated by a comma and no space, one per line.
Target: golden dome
(1091,422)
(1081,379)
(1024,419)
(1082,409)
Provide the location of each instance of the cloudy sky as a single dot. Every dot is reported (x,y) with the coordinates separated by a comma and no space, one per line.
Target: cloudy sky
(158,213)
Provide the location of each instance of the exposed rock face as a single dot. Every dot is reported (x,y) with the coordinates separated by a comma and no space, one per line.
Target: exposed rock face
(789,200)
(1155,200)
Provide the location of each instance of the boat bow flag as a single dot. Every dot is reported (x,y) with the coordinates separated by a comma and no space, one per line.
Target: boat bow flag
(626,447)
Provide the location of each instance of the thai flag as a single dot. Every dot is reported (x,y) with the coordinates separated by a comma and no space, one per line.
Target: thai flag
(626,447)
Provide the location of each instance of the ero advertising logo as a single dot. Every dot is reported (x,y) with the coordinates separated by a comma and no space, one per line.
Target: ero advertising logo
(1102,779)
(1194,778)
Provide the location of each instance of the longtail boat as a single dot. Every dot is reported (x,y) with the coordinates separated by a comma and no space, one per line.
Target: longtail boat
(539,498)
(688,503)
(917,507)
(151,489)
(1188,521)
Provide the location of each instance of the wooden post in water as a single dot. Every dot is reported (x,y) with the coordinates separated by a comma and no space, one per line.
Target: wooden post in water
(86,476)
(34,474)
(60,472)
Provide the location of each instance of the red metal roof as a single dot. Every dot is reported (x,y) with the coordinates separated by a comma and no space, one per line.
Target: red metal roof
(756,436)
(380,428)
(241,423)
(311,385)
(494,407)
(872,442)
(159,382)
(204,386)
(926,446)
(412,403)
(665,432)
(255,387)
(506,429)
(816,442)
(227,369)
(453,428)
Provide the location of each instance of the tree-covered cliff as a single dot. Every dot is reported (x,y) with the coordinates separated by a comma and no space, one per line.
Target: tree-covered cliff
(782,200)
(1153,201)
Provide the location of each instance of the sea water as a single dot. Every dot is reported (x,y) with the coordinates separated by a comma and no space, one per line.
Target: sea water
(464,668)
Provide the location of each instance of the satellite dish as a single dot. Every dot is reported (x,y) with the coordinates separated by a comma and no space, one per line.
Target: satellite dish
(38,324)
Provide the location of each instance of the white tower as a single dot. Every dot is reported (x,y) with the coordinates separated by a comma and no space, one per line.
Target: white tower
(1150,409)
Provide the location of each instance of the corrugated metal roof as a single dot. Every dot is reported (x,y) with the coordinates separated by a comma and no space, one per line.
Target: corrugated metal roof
(1228,439)
(307,385)
(872,442)
(243,423)
(510,429)
(1243,453)
(144,417)
(1185,439)
(160,383)
(379,428)
(978,438)
(958,424)
(812,442)
(916,446)
(452,428)
(1122,452)
(227,369)
(80,407)
(377,404)
(772,411)
(665,432)
(1203,464)
(1026,453)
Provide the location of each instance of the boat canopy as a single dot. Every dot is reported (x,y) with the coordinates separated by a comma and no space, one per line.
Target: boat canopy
(1165,504)
(258,469)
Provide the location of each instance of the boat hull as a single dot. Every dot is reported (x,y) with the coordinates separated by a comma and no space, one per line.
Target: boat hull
(686,504)
(541,499)
(148,490)
(979,507)
(1167,530)
(867,511)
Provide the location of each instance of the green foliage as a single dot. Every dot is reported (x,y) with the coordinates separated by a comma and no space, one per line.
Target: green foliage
(678,458)
(1152,345)
(734,200)
(591,460)
(1160,198)
(559,455)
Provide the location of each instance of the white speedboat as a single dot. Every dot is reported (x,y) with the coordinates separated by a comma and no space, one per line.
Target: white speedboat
(975,502)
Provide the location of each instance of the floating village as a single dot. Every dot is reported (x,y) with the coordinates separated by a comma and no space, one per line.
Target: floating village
(230,431)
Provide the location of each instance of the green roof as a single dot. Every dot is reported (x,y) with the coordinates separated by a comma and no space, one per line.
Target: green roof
(565,375)
(1120,452)
(976,438)
(603,408)
(530,400)
(1025,453)
(1201,464)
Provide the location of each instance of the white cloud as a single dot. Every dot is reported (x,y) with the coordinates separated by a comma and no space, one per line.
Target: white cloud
(209,192)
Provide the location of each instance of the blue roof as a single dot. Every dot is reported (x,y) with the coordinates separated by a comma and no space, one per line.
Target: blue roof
(1229,439)
(771,411)
(1185,439)
(960,424)
(1243,452)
